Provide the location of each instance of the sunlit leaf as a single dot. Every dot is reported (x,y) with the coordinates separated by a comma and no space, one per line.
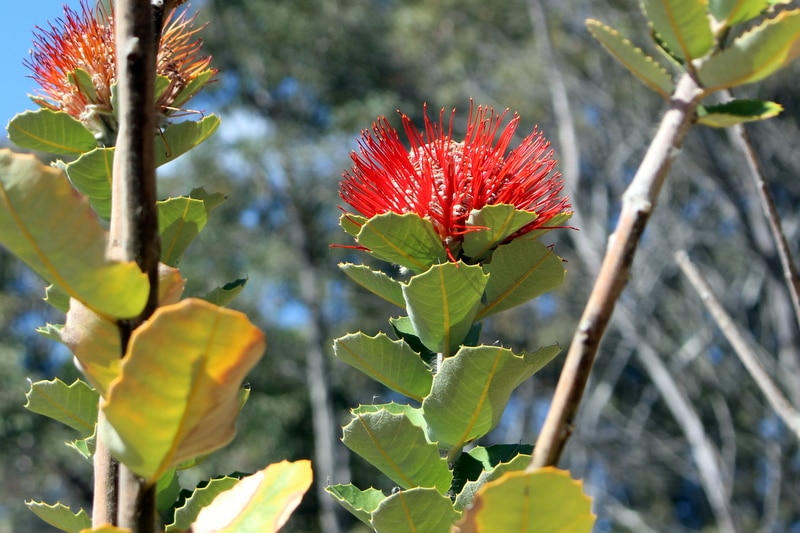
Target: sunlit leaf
(177,395)
(683,26)
(442,303)
(736,112)
(50,131)
(262,502)
(520,271)
(471,389)
(499,221)
(397,447)
(180,220)
(641,65)
(224,295)
(530,502)
(74,405)
(755,55)
(406,240)
(414,511)
(735,11)
(57,298)
(471,465)
(61,516)
(360,503)
(392,363)
(466,494)
(351,224)
(45,223)
(376,282)
(204,494)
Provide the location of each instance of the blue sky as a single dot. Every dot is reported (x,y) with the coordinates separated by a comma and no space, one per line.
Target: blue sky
(16,36)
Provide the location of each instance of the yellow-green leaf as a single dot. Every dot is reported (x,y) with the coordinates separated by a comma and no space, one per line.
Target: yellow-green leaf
(94,339)
(736,112)
(177,394)
(530,502)
(755,55)
(50,131)
(50,227)
(683,25)
(261,502)
(74,405)
(730,12)
(644,67)
(61,516)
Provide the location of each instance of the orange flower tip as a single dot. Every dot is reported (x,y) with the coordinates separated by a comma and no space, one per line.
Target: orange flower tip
(73,62)
(444,180)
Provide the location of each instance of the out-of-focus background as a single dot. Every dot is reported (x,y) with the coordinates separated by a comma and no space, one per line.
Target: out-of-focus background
(672,435)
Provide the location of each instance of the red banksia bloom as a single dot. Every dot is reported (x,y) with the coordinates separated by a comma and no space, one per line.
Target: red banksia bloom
(444,180)
(74,63)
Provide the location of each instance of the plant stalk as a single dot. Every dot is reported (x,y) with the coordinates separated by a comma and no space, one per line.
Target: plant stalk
(638,203)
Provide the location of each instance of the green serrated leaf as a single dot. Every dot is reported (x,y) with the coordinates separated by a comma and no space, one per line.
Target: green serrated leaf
(413,414)
(376,282)
(211,200)
(180,220)
(162,82)
(50,131)
(442,304)
(755,55)
(648,70)
(351,224)
(85,447)
(499,221)
(193,87)
(61,516)
(730,12)
(392,363)
(737,112)
(404,329)
(57,298)
(406,240)
(360,503)
(505,504)
(224,295)
(520,271)
(74,405)
(82,81)
(471,390)
(683,25)
(203,495)
(398,448)
(414,511)
(466,493)
(51,331)
(168,488)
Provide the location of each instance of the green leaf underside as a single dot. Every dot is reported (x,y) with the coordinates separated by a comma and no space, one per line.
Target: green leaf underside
(413,414)
(360,503)
(398,448)
(224,295)
(519,272)
(74,405)
(754,55)
(735,11)
(61,516)
(544,500)
(376,282)
(737,112)
(406,240)
(641,65)
(85,447)
(178,392)
(351,224)
(180,220)
(51,331)
(392,363)
(91,173)
(499,221)
(442,303)
(415,511)
(203,495)
(472,388)
(55,132)
(262,501)
(467,494)
(67,247)
(404,329)
(480,461)
(57,298)
(683,26)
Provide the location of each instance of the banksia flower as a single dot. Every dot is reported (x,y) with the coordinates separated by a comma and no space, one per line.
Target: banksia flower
(444,180)
(74,63)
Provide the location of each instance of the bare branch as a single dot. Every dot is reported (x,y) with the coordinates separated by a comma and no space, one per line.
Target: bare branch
(741,345)
(638,204)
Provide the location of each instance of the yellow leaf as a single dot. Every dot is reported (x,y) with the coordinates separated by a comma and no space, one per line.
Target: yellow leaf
(177,394)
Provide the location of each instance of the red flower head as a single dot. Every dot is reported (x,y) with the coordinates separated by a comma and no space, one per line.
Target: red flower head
(444,180)
(74,63)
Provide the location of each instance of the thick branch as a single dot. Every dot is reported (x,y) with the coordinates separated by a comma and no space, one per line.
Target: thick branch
(638,204)
(134,219)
